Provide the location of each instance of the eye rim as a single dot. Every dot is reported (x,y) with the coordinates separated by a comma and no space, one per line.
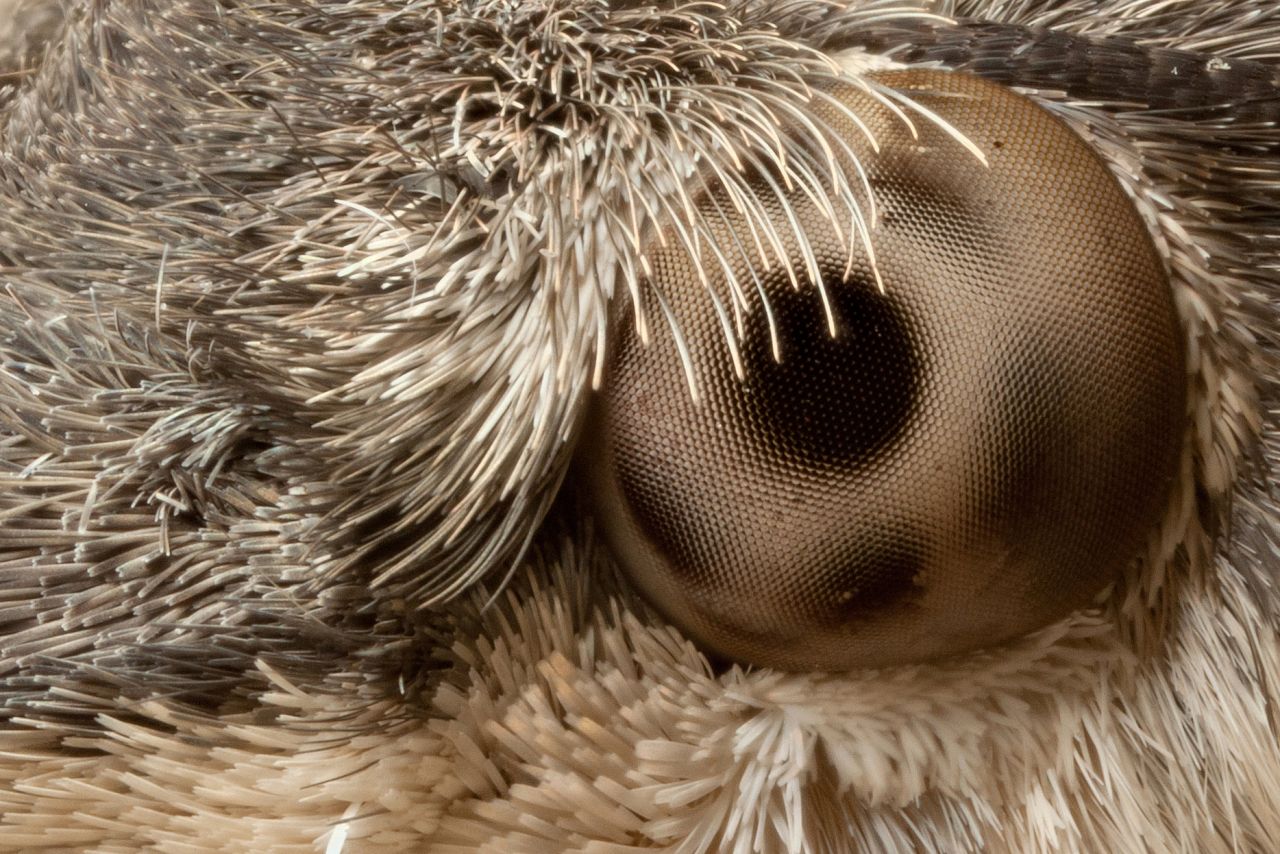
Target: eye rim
(1176,432)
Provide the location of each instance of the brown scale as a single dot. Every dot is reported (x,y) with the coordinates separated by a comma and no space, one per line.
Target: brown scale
(978,451)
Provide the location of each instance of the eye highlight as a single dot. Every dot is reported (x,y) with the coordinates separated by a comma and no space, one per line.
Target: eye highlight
(976,452)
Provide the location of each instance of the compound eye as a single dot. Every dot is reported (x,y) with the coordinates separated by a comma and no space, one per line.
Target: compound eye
(978,450)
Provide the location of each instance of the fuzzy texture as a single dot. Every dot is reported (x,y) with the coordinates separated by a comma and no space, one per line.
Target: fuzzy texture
(25,27)
(301,305)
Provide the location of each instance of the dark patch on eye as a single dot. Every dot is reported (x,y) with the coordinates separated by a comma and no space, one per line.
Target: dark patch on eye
(831,401)
(889,579)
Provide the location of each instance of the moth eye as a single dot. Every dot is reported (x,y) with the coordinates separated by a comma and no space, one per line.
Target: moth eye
(979,449)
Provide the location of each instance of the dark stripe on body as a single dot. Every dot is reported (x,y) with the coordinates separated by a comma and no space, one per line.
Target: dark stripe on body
(1116,70)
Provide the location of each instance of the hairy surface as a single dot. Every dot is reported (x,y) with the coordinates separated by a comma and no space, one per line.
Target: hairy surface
(300,305)
(26,26)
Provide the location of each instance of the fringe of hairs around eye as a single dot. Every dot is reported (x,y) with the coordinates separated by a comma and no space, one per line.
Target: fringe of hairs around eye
(301,302)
